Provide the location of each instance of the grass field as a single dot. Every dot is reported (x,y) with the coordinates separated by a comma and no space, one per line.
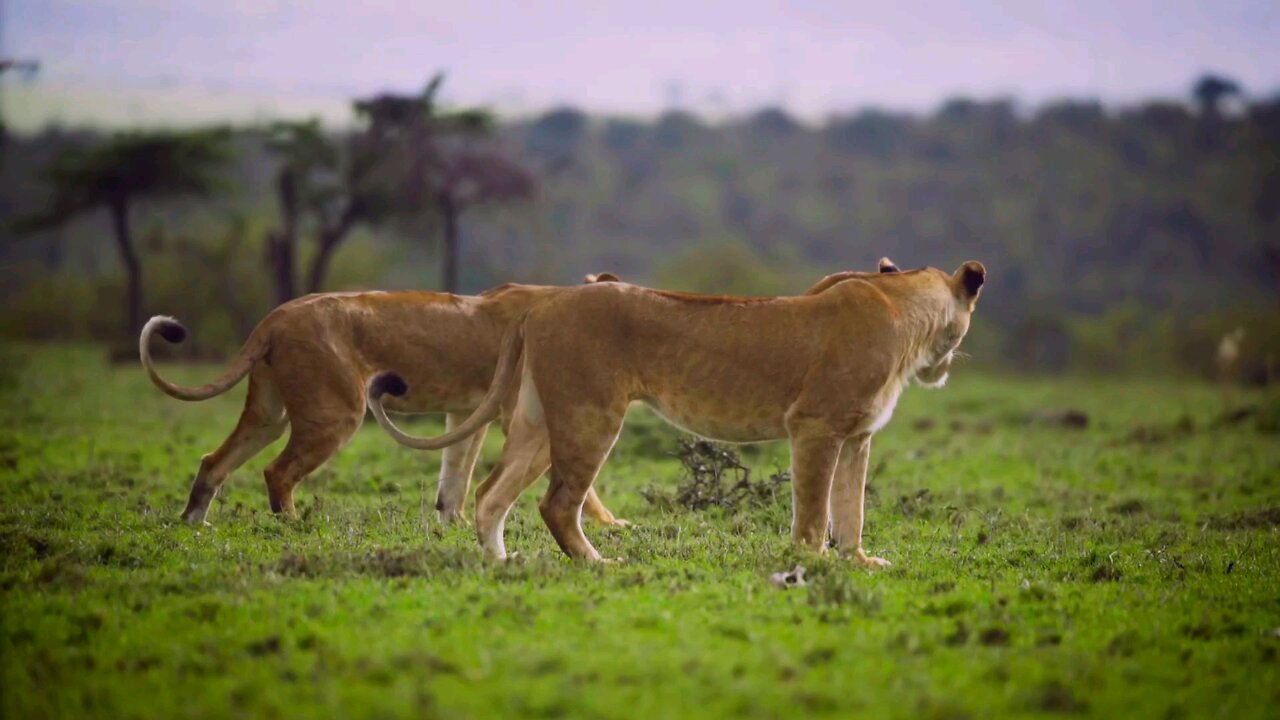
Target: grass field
(1131,568)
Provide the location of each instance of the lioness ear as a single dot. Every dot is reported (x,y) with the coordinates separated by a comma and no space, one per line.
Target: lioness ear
(887,266)
(969,278)
(600,277)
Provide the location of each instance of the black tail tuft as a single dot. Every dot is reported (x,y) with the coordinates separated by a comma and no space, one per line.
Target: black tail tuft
(388,383)
(172,331)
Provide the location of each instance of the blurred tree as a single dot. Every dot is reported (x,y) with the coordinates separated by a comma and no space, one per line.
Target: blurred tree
(676,128)
(421,160)
(997,118)
(621,135)
(7,65)
(556,135)
(1083,117)
(959,109)
(467,179)
(1264,116)
(411,159)
(773,121)
(221,255)
(362,191)
(1080,207)
(305,154)
(1210,90)
(724,266)
(870,132)
(1162,117)
(129,168)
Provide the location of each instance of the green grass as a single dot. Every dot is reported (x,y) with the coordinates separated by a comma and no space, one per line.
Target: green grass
(1128,569)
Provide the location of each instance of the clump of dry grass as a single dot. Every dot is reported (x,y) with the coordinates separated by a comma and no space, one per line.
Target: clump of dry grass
(714,476)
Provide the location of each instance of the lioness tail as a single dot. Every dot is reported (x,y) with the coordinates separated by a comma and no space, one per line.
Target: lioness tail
(173,331)
(392,384)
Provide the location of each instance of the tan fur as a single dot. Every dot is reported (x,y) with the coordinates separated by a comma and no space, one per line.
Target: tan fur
(308,363)
(823,370)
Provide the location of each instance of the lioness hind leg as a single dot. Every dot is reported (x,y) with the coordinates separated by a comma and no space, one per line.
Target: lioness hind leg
(308,448)
(596,510)
(813,461)
(848,493)
(525,456)
(576,457)
(261,423)
(457,464)
(325,405)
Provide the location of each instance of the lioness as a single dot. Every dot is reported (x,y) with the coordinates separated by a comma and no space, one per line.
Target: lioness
(824,370)
(308,363)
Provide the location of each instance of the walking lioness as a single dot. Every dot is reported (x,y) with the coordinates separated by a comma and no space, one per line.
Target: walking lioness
(823,370)
(308,363)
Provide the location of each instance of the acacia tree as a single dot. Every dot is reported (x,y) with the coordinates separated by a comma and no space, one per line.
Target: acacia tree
(404,162)
(426,163)
(1210,90)
(312,181)
(306,155)
(467,179)
(130,168)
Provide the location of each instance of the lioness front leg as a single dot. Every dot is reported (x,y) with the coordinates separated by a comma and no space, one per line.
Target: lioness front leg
(525,456)
(457,464)
(813,461)
(847,500)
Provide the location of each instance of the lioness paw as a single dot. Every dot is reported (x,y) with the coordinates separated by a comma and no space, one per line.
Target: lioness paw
(870,561)
(453,517)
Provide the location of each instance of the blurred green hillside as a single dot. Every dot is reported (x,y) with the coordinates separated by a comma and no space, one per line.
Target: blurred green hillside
(1117,239)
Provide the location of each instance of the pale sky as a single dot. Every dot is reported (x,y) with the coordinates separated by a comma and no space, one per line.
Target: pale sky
(148,61)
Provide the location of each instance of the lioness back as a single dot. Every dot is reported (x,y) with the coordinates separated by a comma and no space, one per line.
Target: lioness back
(445,346)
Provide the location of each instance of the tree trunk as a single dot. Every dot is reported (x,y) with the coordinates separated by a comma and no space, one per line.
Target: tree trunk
(280,256)
(132,267)
(449,271)
(330,238)
(320,265)
(281,244)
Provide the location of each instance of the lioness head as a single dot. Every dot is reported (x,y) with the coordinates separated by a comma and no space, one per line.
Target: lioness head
(965,285)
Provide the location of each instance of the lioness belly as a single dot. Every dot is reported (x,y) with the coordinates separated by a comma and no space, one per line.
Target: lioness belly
(724,423)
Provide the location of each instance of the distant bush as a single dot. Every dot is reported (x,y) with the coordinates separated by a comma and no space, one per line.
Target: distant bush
(53,307)
(728,267)
(1119,240)
(209,280)
(1129,338)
